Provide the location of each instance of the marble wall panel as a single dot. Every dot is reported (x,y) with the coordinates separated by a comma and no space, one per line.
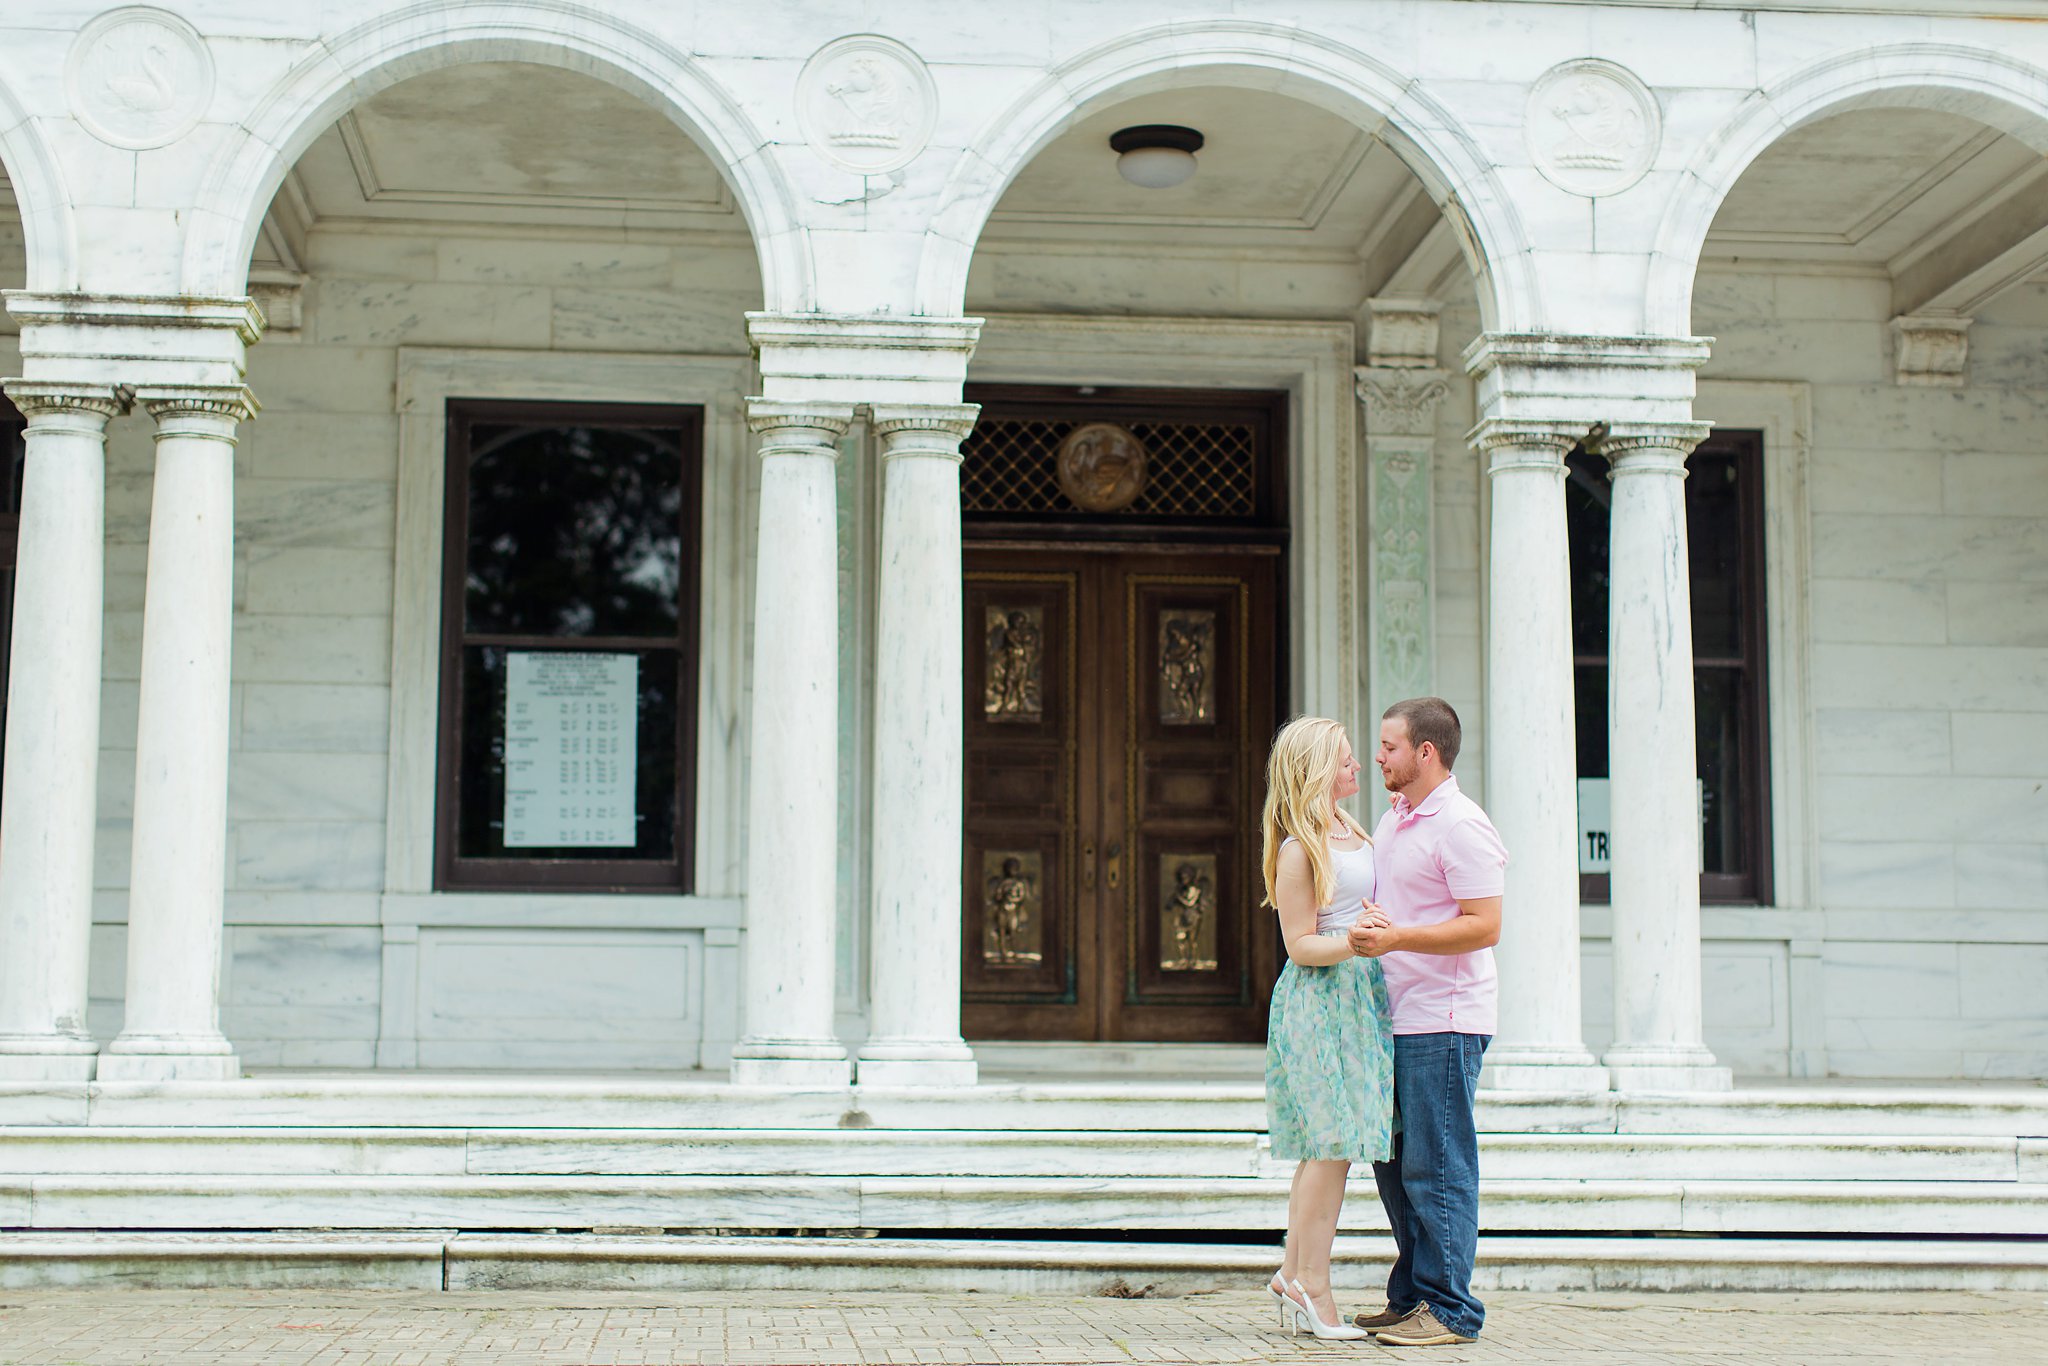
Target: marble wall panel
(1998,613)
(317,718)
(351,513)
(1746,1002)
(1929,677)
(1847,545)
(382,254)
(290,444)
(2013,876)
(351,312)
(1980,484)
(1905,481)
(2013,743)
(559,998)
(107,980)
(1840,298)
(1896,872)
(1880,611)
(1915,982)
(324,650)
(1979,810)
(1885,416)
(1818,351)
(1872,740)
(700,322)
(318,581)
(577,265)
(297,983)
(325,379)
(280,785)
(309,855)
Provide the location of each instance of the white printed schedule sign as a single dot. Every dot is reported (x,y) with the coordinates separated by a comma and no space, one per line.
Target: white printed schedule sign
(572,742)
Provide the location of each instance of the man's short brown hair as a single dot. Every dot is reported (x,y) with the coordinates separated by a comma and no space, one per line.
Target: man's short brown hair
(1430,720)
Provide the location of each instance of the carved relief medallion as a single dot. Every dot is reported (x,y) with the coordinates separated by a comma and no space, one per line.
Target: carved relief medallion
(1187,912)
(1593,127)
(1187,668)
(1011,933)
(1102,467)
(867,103)
(1015,690)
(139,77)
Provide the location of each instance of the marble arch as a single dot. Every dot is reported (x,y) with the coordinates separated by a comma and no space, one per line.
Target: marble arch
(239,184)
(1275,57)
(1983,84)
(40,196)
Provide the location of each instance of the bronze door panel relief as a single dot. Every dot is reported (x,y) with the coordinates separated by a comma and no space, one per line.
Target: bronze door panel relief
(1121,706)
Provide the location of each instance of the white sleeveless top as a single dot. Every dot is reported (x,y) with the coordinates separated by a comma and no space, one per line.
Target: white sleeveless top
(1354,880)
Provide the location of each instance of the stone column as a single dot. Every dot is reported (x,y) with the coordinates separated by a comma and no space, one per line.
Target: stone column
(920,755)
(1532,763)
(786,956)
(178,866)
(47,807)
(1400,405)
(1653,775)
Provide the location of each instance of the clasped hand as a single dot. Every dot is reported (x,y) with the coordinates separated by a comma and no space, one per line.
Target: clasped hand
(1373,933)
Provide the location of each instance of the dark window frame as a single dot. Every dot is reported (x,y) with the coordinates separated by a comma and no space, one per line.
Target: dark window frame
(1754,885)
(456,873)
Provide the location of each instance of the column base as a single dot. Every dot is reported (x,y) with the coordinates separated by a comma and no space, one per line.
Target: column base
(1638,1068)
(807,1065)
(141,1066)
(917,1062)
(1534,1067)
(53,1058)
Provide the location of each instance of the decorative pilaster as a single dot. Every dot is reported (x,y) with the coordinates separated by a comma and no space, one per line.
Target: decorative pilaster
(178,864)
(786,1025)
(47,806)
(920,754)
(1531,762)
(1400,444)
(1659,1043)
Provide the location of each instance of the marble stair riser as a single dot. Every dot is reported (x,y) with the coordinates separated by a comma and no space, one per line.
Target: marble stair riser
(558,1263)
(943,1154)
(398,1100)
(1781,1208)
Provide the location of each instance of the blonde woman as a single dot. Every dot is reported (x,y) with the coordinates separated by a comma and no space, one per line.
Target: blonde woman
(1329,1040)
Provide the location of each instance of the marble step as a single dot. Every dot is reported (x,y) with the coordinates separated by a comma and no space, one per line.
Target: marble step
(427,1100)
(441,1259)
(951,1153)
(1789,1208)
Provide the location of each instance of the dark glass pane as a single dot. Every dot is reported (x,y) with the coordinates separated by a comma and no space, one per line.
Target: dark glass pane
(1714,543)
(482,804)
(1589,688)
(574,531)
(1586,502)
(1721,710)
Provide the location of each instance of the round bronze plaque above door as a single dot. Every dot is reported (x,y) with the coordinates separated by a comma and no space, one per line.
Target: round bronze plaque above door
(1102,467)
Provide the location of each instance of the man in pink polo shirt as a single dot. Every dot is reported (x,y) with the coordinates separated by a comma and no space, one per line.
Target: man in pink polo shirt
(1441,873)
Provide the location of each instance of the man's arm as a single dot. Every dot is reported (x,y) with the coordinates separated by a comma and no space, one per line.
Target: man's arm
(1476,926)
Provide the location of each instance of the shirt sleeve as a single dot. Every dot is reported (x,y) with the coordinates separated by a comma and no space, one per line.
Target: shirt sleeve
(1474,860)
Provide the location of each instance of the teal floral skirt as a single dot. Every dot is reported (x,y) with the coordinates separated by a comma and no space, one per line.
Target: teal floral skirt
(1330,1064)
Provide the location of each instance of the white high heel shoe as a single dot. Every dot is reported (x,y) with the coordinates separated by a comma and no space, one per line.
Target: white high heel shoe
(1277,1288)
(1305,1320)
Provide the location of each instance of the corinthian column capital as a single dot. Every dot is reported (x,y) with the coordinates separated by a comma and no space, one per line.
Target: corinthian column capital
(1400,400)
(929,429)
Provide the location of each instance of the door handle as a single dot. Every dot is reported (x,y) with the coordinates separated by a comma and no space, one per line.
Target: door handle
(1116,865)
(1087,867)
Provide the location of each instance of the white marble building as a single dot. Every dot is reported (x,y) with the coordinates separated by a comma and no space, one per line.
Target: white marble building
(1458,241)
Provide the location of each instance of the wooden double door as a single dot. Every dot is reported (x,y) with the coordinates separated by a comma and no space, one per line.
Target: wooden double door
(1119,705)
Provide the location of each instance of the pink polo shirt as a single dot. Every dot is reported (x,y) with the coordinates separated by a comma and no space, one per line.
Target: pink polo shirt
(1430,857)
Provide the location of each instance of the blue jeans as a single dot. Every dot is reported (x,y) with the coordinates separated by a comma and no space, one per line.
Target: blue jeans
(1431,1186)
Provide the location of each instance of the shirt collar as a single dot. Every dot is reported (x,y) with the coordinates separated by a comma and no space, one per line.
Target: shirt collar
(1433,803)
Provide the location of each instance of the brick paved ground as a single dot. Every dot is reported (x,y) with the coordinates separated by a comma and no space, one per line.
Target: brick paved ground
(358,1328)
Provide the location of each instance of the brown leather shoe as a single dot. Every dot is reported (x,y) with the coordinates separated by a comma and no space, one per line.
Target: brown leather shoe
(1386,1318)
(1419,1329)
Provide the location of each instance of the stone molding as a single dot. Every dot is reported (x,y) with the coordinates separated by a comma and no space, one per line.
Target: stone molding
(1569,382)
(1930,351)
(41,399)
(1400,443)
(798,428)
(1658,449)
(1399,401)
(1291,59)
(172,340)
(933,430)
(862,358)
(232,403)
(1402,332)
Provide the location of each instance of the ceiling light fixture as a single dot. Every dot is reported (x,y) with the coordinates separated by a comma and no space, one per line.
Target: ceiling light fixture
(1155,156)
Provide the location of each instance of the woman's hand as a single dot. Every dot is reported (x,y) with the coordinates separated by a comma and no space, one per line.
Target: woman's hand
(1373,933)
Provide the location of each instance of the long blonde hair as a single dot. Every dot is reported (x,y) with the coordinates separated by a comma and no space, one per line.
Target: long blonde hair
(1300,775)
